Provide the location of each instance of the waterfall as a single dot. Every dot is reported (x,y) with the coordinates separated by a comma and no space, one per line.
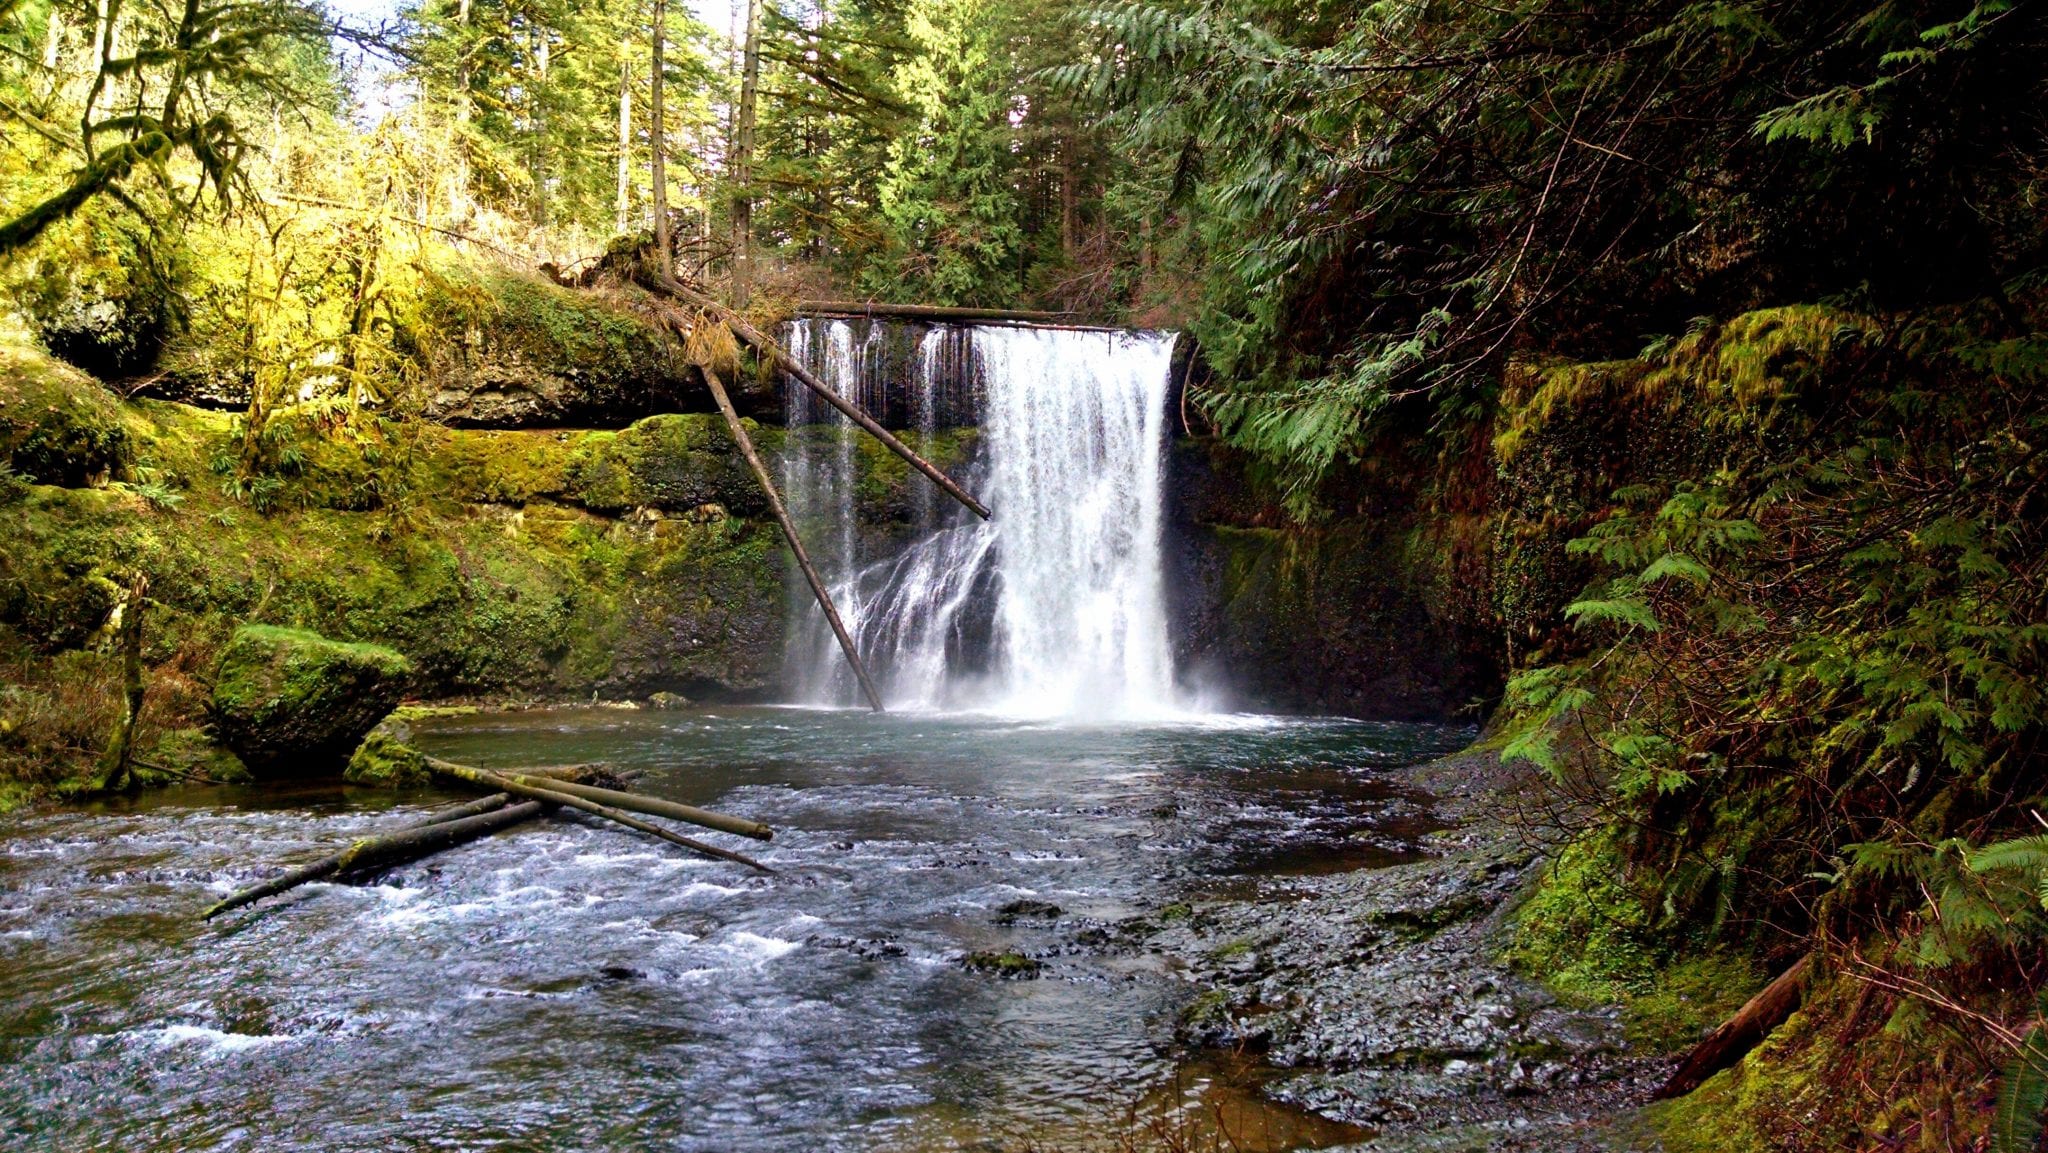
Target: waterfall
(1056,607)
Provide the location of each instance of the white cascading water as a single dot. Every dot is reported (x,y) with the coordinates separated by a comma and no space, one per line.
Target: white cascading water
(1056,607)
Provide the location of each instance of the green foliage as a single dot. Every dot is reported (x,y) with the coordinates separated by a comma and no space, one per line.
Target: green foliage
(1382,204)
(947,194)
(178,87)
(1801,686)
(2022,1094)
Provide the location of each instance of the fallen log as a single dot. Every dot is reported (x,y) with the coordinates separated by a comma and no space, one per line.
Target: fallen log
(1739,1034)
(651,806)
(659,280)
(927,312)
(796,543)
(471,809)
(569,801)
(942,314)
(409,843)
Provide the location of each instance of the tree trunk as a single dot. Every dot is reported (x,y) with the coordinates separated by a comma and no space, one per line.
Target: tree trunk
(625,135)
(651,806)
(458,198)
(1070,199)
(408,844)
(743,162)
(1742,1032)
(666,283)
(113,766)
(941,312)
(658,139)
(796,544)
(554,797)
(469,809)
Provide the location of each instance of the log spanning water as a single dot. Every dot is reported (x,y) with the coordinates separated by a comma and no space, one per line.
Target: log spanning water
(1056,607)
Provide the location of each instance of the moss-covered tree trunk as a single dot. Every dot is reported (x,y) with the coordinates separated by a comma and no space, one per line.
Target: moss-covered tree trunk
(126,627)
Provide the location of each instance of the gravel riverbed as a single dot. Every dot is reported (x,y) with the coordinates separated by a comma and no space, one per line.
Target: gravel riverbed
(1377,997)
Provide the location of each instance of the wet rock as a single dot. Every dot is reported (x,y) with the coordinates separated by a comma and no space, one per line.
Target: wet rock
(1028,910)
(866,948)
(294,703)
(668,700)
(1380,988)
(528,353)
(387,759)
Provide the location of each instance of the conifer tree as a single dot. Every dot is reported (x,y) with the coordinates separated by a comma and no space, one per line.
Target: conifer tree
(947,194)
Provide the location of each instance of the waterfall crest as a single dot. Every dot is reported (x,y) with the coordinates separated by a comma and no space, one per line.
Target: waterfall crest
(1056,607)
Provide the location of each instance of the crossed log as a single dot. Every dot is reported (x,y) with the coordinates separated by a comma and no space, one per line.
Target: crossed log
(515,798)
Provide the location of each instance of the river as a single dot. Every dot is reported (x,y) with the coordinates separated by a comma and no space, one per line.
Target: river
(571,986)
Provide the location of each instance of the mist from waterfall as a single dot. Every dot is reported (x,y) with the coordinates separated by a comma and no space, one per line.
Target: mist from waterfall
(1056,607)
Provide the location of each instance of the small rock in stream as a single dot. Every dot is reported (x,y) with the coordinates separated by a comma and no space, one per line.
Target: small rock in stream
(1028,910)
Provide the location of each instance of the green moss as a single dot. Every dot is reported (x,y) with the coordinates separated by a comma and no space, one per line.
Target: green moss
(541,599)
(1756,1105)
(508,467)
(1210,1007)
(287,699)
(1592,938)
(673,462)
(1584,930)
(1009,963)
(385,760)
(1231,950)
(57,425)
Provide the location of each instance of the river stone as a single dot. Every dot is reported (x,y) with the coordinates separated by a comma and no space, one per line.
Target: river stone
(293,703)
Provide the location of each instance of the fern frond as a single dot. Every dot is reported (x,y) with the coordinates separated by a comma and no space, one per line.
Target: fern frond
(2016,1122)
(2022,853)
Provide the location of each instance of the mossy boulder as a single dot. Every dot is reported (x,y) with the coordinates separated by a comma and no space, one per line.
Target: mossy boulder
(386,757)
(519,351)
(294,703)
(672,462)
(57,425)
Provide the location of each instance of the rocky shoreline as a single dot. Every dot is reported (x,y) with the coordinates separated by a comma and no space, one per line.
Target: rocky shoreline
(1377,997)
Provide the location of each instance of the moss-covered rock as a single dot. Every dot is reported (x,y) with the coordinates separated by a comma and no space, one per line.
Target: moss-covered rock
(672,462)
(386,757)
(1008,964)
(294,703)
(57,425)
(520,351)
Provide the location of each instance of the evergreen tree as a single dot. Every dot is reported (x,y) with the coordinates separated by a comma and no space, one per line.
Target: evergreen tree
(948,195)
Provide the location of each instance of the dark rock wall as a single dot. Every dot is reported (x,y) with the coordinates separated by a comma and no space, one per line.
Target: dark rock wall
(1382,614)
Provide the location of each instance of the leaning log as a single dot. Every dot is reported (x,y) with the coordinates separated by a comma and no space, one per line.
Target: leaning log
(650,806)
(492,780)
(407,844)
(1739,1034)
(658,280)
(796,543)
